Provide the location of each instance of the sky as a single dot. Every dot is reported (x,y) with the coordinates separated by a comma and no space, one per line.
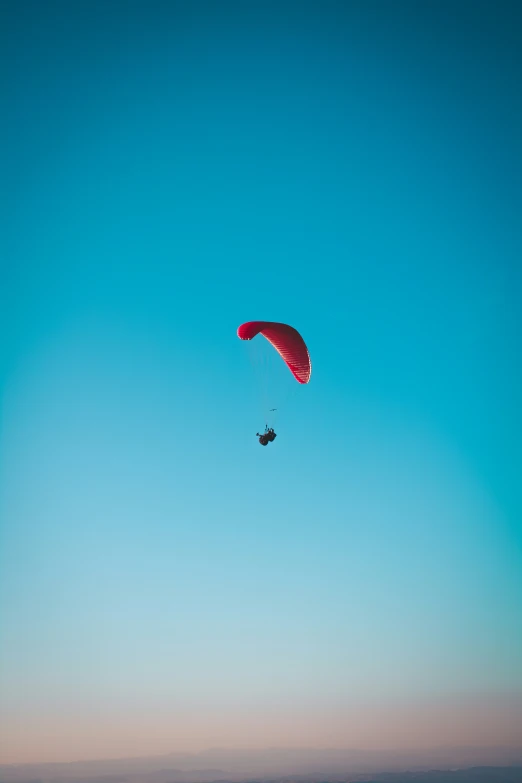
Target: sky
(170,170)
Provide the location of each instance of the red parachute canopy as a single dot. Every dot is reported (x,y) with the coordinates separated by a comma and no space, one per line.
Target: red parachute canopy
(288,343)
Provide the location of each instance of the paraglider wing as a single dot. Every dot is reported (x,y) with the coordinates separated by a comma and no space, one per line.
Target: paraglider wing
(288,343)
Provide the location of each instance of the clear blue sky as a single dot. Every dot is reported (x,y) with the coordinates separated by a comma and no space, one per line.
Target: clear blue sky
(170,170)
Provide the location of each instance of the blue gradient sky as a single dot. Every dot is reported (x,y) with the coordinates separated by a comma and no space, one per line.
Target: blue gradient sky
(169,171)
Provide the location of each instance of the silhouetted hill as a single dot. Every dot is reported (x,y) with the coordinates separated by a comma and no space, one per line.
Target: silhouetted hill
(473,775)
(290,765)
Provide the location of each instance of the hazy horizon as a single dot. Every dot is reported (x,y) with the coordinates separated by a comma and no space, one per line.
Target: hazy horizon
(171,169)
(237,765)
(474,724)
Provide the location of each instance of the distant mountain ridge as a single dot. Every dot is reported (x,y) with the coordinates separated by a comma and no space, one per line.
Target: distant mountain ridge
(286,765)
(471,775)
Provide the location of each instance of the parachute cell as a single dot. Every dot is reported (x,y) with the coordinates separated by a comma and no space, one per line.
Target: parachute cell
(288,343)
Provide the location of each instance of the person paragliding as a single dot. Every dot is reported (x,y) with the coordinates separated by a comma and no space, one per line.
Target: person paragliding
(266,437)
(292,349)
